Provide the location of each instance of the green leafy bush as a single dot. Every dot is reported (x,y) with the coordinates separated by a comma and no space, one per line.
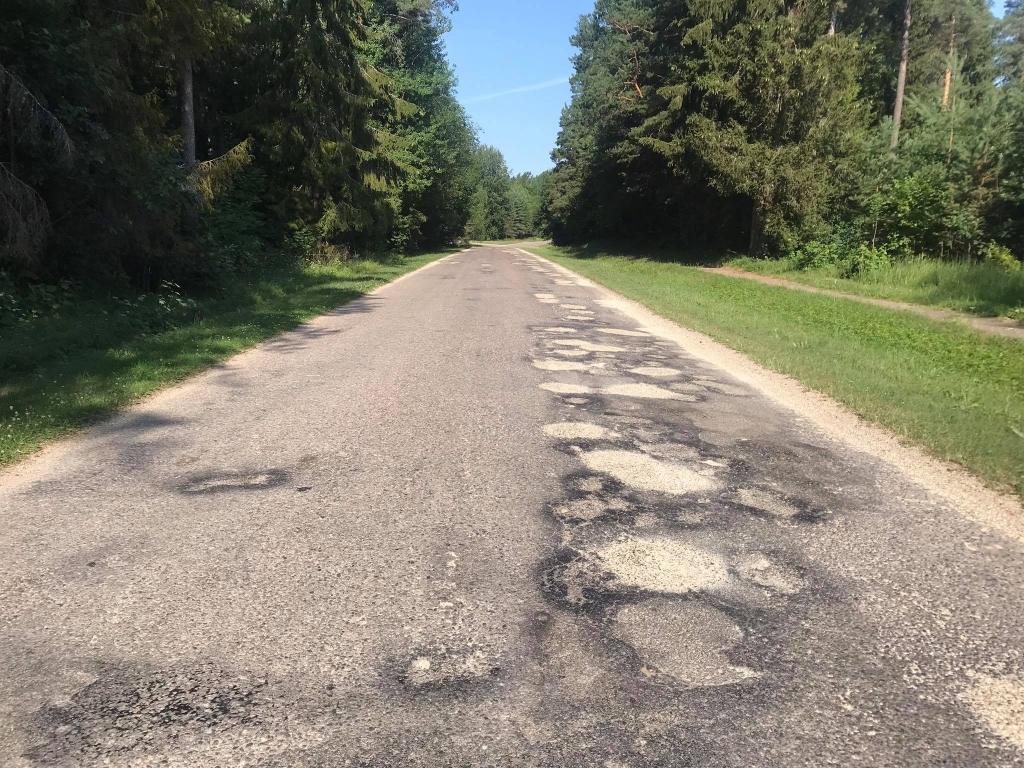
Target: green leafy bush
(1001,256)
(22,301)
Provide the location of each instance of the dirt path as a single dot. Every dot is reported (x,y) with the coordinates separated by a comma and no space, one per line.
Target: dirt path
(999,326)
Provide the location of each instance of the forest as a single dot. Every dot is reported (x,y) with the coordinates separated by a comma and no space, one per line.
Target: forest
(156,143)
(176,143)
(851,132)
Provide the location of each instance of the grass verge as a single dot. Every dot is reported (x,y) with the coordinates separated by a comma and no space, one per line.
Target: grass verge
(957,392)
(979,288)
(92,356)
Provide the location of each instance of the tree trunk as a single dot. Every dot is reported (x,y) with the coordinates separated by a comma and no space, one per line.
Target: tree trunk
(949,152)
(901,80)
(835,19)
(756,233)
(948,81)
(188,115)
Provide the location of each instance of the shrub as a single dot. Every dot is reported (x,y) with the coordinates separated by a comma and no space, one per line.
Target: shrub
(1002,257)
(21,301)
(865,259)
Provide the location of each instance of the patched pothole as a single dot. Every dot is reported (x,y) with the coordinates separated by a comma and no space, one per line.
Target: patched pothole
(656,372)
(643,565)
(565,389)
(766,502)
(686,641)
(648,392)
(587,346)
(579,430)
(589,508)
(758,569)
(560,365)
(644,472)
(662,565)
(623,332)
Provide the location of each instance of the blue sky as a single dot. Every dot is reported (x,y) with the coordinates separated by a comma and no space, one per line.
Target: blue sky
(500,49)
(512,61)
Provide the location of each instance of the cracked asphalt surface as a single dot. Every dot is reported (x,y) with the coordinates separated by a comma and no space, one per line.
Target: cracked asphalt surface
(480,519)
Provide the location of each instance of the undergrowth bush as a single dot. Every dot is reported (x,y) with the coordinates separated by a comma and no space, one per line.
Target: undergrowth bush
(25,299)
(847,256)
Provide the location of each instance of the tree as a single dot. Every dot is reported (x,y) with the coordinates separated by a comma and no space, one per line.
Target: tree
(901,79)
(432,138)
(494,192)
(336,119)
(24,216)
(186,32)
(1010,51)
(700,122)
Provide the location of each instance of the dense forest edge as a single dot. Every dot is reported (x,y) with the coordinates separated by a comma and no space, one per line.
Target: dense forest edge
(168,147)
(843,137)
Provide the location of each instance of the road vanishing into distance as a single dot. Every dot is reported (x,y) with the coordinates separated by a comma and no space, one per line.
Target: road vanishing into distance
(485,517)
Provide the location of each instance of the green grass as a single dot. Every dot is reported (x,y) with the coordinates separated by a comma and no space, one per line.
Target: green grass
(955,391)
(95,355)
(977,288)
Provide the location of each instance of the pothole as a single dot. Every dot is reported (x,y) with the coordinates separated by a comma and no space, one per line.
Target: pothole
(720,387)
(647,391)
(565,389)
(588,509)
(586,345)
(656,372)
(686,641)
(560,365)
(671,451)
(760,570)
(638,470)
(766,502)
(579,307)
(623,332)
(685,386)
(578,430)
(659,565)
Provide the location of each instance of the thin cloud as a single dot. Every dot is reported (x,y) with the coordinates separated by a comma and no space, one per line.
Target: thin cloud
(520,89)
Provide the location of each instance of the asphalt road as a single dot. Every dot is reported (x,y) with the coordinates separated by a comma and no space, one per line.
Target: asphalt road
(480,519)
